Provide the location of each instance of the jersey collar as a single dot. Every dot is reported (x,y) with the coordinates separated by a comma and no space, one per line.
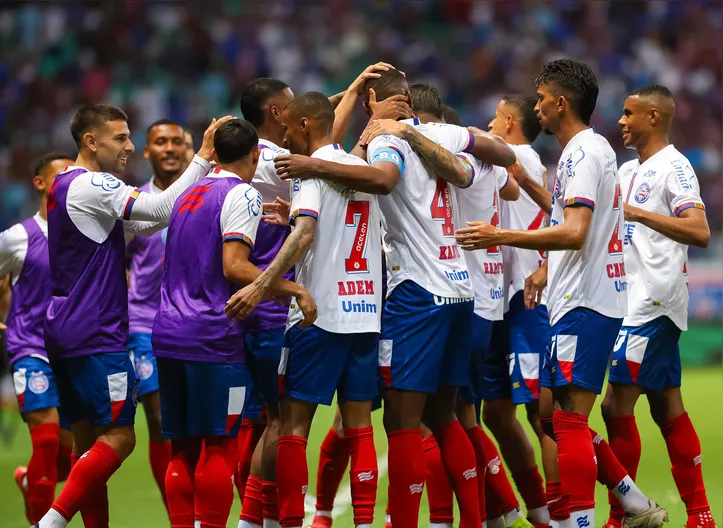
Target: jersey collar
(218,172)
(329,147)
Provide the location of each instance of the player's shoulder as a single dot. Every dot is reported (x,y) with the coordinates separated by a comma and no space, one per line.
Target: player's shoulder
(675,159)
(100,180)
(14,233)
(244,195)
(269,149)
(527,155)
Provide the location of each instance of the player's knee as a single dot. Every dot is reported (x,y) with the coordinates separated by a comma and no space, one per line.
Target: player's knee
(533,418)
(606,408)
(121,439)
(492,416)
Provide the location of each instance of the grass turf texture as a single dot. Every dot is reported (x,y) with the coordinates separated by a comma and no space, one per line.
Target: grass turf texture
(135,502)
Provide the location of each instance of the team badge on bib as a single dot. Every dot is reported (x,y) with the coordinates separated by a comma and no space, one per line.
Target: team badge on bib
(38,383)
(643,193)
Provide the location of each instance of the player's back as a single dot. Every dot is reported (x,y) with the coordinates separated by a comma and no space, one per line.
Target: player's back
(191,323)
(88,311)
(418,216)
(342,267)
(594,276)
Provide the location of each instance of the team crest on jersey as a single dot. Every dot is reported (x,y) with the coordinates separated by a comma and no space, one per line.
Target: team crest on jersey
(643,193)
(144,368)
(38,383)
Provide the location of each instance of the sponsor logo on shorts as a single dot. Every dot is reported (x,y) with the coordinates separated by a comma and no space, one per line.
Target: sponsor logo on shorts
(38,383)
(441,301)
(470,473)
(416,488)
(365,476)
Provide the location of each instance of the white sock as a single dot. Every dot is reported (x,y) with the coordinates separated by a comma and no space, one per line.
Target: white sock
(323,513)
(363,526)
(197,524)
(52,519)
(246,524)
(583,518)
(539,515)
(270,523)
(512,515)
(631,498)
(440,525)
(498,522)
(484,524)
(388,518)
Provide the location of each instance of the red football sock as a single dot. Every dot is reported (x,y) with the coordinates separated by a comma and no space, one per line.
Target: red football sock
(363,473)
(406,476)
(476,437)
(270,500)
(248,437)
(459,459)
(685,455)
(252,510)
(292,479)
(576,459)
(159,454)
(214,487)
(42,470)
(94,510)
(333,459)
(180,482)
(625,442)
(88,477)
(439,490)
(63,462)
(557,502)
(497,483)
(531,487)
(609,470)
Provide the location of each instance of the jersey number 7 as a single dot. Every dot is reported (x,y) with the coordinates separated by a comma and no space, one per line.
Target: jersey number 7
(357,215)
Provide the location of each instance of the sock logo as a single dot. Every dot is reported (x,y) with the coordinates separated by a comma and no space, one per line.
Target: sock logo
(416,488)
(304,488)
(698,460)
(597,439)
(470,473)
(583,522)
(365,476)
(623,488)
(493,465)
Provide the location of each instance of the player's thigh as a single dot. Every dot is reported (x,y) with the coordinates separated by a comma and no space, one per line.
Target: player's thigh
(359,379)
(464,328)
(484,369)
(263,348)
(582,341)
(217,394)
(144,362)
(312,363)
(36,390)
(174,398)
(415,329)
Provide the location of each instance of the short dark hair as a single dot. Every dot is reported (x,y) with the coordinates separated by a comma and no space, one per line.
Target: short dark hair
(159,123)
(255,95)
(234,140)
(315,106)
(451,116)
(652,89)
(576,80)
(93,115)
(391,82)
(426,99)
(46,159)
(531,127)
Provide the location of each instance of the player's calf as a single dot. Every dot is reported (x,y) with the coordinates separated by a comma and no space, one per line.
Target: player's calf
(364,473)
(333,461)
(214,489)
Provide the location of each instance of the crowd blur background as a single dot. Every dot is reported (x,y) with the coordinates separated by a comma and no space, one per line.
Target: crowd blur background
(188,60)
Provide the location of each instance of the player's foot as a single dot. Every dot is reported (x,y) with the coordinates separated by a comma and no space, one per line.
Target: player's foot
(21,479)
(321,521)
(522,522)
(654,517)
(700,520)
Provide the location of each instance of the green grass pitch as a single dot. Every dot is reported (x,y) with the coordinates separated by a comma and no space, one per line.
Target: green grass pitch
(135,503)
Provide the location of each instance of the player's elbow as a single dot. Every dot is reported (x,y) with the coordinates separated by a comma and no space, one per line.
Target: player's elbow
(576,240)
(506,153)
(510,193)
(702,238)
(383,187)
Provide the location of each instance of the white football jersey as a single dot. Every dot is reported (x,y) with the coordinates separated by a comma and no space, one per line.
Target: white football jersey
(14,248)
(481,202)
(656,265)
(521,215)
(594,276)
(342,268)
(418,215)
(241,210)
(266,181)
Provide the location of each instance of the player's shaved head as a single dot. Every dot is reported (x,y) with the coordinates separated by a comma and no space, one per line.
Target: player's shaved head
(659,97)
(451,116)
(426,100)
(313,106)
(524,108)
(647,117)
(389,83)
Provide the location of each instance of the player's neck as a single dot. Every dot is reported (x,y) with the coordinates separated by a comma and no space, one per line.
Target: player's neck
(240,170)
(269,133)
(164,182)
(316,143)
(516,137)
(654,145)
(43,211)
(569,130)
(87,163)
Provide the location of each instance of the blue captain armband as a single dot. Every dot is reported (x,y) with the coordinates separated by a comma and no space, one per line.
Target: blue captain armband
(389,155)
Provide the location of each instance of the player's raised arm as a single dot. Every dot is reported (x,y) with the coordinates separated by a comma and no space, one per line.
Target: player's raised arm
(537,192)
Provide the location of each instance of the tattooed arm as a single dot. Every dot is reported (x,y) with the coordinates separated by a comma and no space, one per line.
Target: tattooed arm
(438,159)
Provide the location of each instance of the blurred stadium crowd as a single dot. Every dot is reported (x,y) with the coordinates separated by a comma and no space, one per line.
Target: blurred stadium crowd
(188,60)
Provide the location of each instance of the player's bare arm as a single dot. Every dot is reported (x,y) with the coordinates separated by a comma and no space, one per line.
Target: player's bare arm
(537,192)
(243,302)
(535,284)
(438,159)
(492,149)
(690,228)
(381,178)
(511,191)
(571,234)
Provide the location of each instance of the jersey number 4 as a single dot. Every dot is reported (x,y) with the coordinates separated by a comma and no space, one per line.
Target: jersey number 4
(357,215)
(441,208)
(615,246)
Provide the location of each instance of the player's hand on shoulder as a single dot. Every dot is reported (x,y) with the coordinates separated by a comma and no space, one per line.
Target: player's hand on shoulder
(535,284)
(308,308)
(289,166)
(632,213)
(478,235)
(380,127)
(244,301)
(370,72)
(278,212)
(394,107)
(518,172)
(207,151)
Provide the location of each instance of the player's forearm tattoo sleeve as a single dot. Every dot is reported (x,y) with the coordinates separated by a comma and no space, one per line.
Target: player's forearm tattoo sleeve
(299,239)
(439,160)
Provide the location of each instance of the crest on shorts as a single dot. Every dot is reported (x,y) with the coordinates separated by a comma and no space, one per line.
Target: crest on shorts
(643,193)
(144,368)
(38,383)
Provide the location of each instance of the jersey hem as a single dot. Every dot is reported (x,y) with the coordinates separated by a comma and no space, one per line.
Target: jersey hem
(590,306)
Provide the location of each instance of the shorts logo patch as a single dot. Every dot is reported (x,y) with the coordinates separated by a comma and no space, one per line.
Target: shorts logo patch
(38,383)
(643,193)
(144,368)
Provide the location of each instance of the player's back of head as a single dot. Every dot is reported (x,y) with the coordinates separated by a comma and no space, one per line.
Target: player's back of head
(451,116)
(426,100)
(314,106)
(575,81)
(46,159)
(256,95)
(93,116)
(525,106)
(234,140)
(389,83)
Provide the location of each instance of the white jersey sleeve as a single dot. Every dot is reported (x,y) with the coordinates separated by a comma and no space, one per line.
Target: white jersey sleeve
(502,177)
(241,214)
(452,137)
(683,190)
(583,179)
(266,181)
(13,248)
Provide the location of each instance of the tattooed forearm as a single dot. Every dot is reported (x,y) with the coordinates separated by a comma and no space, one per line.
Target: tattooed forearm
(297,242)
(438,159)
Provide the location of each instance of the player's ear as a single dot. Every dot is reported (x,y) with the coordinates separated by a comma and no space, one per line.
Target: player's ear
(304,124)
(654,116)
(38,183)
(275,113)
(89,141)
(255,155)
(508,124)
(146,154)
(213,155)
